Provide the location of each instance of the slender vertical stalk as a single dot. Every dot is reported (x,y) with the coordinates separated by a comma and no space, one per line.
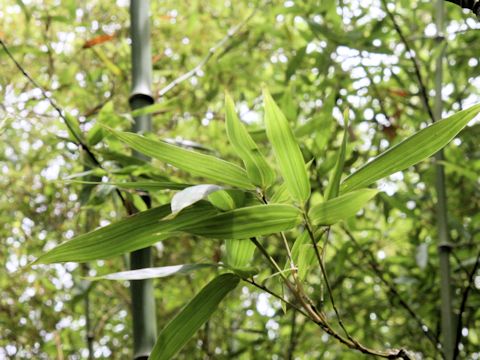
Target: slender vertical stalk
(444,245)
(143,300)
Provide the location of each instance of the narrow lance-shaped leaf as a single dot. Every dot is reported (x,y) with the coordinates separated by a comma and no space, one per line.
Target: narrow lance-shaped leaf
(132,233)
(137,185)
(239,252)
(191,195)
(303,254)
(185,324)
(287,151)
(154,272)
(257,167)
(339,208)
(334,182)
(410,151)
(193,162)
(247,222)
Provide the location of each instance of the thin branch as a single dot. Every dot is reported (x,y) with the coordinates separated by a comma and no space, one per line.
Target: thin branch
(375,268)
(413,58)
(327,283)
(57,108)
(211,52)
(463,305)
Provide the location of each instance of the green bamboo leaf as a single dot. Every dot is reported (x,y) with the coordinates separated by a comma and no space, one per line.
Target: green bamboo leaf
(257,167)
(247,222)
(137,185)
(339,208)
(193,162)
(303,255)
(228,199)
(334,182)
(154,272)
(410,151)
(239,253)
(286,149)
(185,324)
(132,233)
(191,195)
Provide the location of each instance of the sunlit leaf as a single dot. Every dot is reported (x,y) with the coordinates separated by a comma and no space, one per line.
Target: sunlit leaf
(193,162)
(137,185)
(410,151)
(339,208)
(239,252)
(191,195)
(132,233)
(154,272)
(247,222)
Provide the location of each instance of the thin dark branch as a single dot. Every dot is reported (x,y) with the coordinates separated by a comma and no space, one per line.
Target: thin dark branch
(211,52)
(463,305)
(378,272)
(413,58)
(57,108)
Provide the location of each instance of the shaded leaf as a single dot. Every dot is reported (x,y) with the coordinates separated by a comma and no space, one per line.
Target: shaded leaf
(186,323)
(334,182)
(257,167)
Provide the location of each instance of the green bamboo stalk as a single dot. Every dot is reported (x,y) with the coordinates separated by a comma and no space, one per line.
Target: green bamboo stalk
(143,300)
(444,245)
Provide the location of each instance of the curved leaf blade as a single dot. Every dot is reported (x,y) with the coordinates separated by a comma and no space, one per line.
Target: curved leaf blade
(286,149)
(133,233)
(153,272)
(136,185)
(185,324)
(334,181)
(193,162)
(244,223)
(191,195)
(256,165)
(339,208)
(410,151)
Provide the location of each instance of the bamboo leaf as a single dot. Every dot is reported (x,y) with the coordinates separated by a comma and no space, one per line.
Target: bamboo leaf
(185,324)
(137,185)
(257,167)
(247,222)
(286,149)
(334,182)
(239,253)
(303,255)
(191,195)
(410,151)
(193,162)
(132,233)
(339,208)
(153,272)
(227,199)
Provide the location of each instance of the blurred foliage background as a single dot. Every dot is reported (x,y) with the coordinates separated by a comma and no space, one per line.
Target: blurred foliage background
(318,58)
